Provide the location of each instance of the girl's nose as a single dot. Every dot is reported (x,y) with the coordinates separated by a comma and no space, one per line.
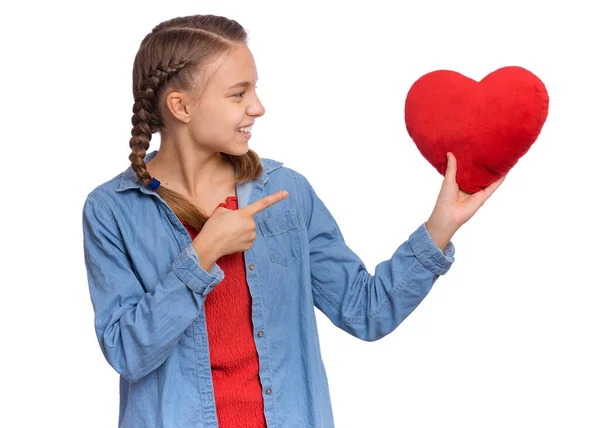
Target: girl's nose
(256,109)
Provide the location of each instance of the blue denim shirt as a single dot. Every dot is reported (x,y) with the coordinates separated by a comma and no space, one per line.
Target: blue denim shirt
(148,290)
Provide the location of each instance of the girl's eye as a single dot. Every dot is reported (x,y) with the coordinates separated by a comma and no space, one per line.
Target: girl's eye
(241,94)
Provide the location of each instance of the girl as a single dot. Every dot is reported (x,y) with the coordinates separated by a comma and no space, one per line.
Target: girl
(204,260)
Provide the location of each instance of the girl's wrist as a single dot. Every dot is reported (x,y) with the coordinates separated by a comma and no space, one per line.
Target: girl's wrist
(206,255)
(440,231)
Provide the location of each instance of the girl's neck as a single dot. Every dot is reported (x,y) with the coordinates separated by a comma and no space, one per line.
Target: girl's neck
(190,172)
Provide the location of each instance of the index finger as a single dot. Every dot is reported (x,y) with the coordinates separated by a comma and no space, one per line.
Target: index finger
(485,194)
(265,202)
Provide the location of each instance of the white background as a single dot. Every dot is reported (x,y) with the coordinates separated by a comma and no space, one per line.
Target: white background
(508,338)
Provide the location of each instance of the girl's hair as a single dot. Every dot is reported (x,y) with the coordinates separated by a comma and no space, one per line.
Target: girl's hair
(169,58)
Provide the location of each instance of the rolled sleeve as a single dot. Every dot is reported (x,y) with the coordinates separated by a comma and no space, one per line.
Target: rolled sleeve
(188,270)
(429,254)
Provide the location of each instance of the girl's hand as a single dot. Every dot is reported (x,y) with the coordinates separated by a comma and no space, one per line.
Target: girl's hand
(230,231)
(455,207)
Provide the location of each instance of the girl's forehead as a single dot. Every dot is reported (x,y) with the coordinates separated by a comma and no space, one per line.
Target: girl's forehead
(234,67)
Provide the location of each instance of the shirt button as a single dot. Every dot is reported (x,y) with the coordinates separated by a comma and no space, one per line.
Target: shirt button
(268,391)
(251,267)
(261,333)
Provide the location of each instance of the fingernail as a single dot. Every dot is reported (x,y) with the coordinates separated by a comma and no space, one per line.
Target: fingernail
(284,193)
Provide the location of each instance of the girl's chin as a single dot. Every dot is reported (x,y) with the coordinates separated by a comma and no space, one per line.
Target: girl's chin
(239,150)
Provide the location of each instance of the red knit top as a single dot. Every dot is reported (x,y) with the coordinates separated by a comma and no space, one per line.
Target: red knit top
(233,356)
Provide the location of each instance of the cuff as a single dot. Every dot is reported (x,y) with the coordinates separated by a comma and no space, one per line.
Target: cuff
(429,254)
(188,270)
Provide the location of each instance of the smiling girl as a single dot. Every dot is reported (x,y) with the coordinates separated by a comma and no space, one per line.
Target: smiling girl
(205,261)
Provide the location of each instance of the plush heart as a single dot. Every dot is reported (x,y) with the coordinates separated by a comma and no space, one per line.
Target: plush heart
(487,125)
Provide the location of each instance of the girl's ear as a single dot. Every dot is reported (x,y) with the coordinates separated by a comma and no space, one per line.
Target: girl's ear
(177,103)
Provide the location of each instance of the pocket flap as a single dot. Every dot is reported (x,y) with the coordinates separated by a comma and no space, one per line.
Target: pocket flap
(279,224)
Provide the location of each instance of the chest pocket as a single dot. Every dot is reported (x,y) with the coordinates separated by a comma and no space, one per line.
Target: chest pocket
(282,236)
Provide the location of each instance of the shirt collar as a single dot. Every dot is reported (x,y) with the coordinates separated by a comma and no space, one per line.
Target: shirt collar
(129,179)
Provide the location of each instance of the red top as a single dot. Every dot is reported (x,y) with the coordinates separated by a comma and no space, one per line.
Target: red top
(233,357)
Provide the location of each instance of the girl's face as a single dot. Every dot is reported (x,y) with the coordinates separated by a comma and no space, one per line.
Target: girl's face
(229,102)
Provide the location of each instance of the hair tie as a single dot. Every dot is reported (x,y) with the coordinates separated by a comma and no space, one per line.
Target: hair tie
(154,184)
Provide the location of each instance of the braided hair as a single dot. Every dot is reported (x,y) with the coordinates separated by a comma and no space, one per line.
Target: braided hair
(169,57)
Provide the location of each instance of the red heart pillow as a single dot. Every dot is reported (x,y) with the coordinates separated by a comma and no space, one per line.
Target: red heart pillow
(487,125)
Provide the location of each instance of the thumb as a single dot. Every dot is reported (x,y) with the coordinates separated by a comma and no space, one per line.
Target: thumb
(222,205)
(451,167)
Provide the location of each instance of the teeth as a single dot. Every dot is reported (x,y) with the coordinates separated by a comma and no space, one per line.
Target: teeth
(248,129)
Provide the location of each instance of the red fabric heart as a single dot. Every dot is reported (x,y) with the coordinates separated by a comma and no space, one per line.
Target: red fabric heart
(487,125)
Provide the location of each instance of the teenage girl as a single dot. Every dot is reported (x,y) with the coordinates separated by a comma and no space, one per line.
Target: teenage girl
(205,261)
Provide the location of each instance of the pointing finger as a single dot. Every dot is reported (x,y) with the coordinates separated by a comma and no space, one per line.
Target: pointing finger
(265,202)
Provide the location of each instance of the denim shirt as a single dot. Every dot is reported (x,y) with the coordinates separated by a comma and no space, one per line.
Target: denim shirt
(148,290)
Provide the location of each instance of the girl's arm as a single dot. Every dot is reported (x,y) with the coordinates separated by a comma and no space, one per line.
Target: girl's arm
(137,330)
(364,305)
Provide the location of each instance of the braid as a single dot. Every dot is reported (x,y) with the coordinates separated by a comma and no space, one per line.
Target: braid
(146,118)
